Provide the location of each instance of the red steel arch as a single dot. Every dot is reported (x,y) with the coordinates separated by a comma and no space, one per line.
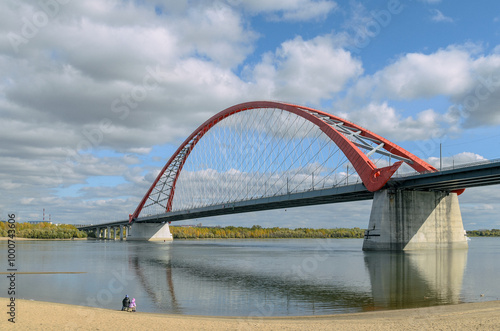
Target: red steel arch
(373,178)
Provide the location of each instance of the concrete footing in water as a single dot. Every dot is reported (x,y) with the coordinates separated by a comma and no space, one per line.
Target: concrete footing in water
(411,220)
(149,231)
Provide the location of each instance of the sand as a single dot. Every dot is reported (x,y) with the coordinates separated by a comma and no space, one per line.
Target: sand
(36,315)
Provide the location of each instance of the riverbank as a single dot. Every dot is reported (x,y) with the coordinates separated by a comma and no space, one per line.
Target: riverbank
(36,315)
(24,239)
(257,232)
(44,230)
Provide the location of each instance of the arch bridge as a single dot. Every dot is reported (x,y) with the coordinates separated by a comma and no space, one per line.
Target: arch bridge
(263,155)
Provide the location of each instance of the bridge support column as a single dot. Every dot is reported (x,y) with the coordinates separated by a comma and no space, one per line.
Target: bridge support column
(149,231)
(121,232)
(108,232)
(97,233)
(410,220)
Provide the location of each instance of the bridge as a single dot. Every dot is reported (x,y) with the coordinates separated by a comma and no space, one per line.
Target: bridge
(267,155)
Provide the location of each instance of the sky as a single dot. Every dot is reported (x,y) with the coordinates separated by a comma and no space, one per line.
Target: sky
(95,96)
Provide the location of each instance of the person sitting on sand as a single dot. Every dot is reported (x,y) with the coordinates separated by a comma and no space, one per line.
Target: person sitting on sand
(125,303)
(131,306)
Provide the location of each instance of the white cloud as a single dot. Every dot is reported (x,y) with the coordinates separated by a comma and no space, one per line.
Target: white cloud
(69,75)
(469,79)
(306,12)
(438,16)
(478,105)
(416,75)
(487,199)
(289,10)
(456,160)
(216,32)
(389,123)
(306,71)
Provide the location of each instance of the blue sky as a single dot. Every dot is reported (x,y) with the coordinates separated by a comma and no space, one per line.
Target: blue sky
(95,96)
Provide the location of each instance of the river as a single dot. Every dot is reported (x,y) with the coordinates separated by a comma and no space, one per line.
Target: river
(283,277)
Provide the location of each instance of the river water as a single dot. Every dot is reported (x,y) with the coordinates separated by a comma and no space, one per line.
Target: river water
(252,277)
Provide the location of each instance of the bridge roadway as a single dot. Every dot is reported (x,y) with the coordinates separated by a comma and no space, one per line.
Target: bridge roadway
(467,176)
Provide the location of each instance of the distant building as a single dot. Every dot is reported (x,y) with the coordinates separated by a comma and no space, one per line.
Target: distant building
(37,222)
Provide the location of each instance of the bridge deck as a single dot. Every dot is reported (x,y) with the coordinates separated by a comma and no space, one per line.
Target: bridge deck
(451,179)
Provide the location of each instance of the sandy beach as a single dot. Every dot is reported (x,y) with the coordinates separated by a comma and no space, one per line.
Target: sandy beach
(35,315)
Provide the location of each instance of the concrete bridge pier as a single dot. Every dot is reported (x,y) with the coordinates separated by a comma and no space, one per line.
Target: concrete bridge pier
(149,231)
(121,232)
(411,220)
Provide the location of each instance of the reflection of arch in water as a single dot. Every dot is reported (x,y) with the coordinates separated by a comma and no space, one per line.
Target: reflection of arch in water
(287,287)
(398,280)
(150,275)
(223,287)
(416,279)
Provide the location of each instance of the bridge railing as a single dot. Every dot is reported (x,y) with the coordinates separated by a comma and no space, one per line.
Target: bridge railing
(452,167)
(357,180)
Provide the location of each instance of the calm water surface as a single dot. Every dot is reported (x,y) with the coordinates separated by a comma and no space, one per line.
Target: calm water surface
(253,277)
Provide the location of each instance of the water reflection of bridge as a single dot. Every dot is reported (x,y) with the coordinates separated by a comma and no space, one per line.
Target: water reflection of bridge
(416,279)
(150,264)
(398,280)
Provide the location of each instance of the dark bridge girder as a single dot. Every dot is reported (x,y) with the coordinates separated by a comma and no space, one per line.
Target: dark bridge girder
(448,180)
(474,175)
(355,192)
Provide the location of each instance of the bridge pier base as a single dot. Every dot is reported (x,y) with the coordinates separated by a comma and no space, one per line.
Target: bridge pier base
(149,231)
(411,220)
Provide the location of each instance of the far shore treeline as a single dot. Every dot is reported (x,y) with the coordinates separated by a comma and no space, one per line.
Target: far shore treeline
(258,232)
(228,232)
(484,233)
(43,230)
(66,231)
